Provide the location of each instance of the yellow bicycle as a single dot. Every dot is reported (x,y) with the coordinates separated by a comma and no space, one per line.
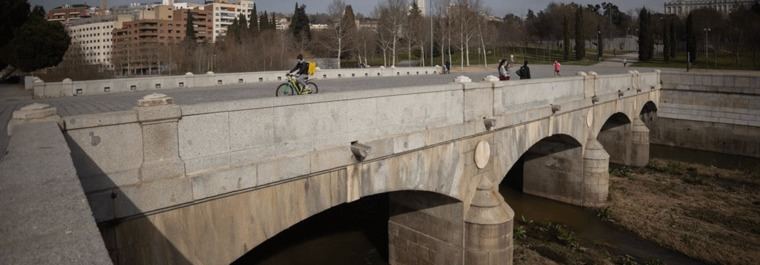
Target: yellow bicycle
(291,87)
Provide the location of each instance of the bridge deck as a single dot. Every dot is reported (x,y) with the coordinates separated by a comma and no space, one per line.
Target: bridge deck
(70,106)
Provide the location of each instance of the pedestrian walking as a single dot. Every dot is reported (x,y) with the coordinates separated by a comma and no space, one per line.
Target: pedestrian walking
(625,62)
(557,67)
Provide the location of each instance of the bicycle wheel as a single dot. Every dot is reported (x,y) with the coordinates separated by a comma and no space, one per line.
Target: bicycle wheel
(284,90)
(314,89)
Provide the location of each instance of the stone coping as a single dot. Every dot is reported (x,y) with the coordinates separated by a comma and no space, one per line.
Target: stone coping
(130,116)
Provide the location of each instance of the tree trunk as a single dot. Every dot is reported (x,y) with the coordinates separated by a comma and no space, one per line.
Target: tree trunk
(385,58)
(340,50)
(422,51)
(467,51)
(409,50)
(485,52)
(393,51)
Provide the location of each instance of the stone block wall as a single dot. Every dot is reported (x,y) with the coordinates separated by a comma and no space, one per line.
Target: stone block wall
(711,112)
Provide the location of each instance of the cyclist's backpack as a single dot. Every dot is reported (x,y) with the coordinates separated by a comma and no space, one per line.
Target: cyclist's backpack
(312,68)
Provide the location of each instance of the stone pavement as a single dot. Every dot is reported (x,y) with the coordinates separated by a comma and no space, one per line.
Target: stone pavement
(44,215)
(69,106)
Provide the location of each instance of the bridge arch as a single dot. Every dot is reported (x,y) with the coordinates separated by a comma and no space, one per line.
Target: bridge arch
(375,221)
(551,168)
(648,113)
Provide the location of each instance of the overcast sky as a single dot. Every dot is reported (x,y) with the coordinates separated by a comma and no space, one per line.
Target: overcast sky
(496,7)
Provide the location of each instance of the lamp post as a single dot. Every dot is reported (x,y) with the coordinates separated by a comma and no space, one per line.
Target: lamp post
(707,43)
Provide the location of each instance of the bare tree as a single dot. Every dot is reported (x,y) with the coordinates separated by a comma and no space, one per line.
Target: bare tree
(443,15)
(391,18)
(342,28)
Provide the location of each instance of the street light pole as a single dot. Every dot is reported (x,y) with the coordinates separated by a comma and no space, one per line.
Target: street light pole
(707,43)
(432,42)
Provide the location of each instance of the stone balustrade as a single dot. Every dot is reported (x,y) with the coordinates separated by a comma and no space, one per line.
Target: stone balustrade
(67,87)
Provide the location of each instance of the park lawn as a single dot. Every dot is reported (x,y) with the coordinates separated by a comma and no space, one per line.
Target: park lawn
(533,55)
(724,61)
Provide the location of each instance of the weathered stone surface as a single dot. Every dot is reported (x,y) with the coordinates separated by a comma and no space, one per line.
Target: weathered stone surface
(596,178)
(35,112)
(422,139)
(425,229)
(488,227)
(44,216)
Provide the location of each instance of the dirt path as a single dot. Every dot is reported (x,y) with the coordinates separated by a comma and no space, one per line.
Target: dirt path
(704,212)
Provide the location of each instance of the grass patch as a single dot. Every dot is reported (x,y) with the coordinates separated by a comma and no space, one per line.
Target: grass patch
(604,214)
(621,171)
(723,61)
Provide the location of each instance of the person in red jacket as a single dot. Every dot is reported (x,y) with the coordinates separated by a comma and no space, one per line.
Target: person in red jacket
(557,67)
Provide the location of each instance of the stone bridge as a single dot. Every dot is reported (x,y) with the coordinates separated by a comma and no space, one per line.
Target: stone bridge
(206,183)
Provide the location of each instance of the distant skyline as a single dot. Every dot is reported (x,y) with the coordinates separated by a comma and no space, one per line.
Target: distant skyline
(495,7)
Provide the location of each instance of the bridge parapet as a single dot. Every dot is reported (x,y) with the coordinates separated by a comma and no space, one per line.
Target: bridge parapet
(67,87)
(226,147)
(44,214)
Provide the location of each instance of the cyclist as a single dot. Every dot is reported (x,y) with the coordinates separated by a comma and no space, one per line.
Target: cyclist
(300,71)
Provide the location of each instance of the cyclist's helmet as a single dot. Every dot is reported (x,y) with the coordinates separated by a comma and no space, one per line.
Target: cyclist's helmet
(300,57)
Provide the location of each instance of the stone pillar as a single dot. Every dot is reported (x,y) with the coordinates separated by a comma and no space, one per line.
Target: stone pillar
(596,177)
(425,229)
(639,144)
(488,228)
(158,116)
(35,112)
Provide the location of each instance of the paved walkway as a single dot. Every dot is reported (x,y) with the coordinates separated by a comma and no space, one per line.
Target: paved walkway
(69,106)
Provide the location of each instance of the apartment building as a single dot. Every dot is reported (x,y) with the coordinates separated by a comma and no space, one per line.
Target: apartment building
(68,13)
(682,8)
(94,36)
(224,13)
(140,45)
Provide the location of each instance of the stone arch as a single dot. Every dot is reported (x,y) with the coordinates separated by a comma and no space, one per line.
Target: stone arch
(648,113)
(611,121)
(411,215)
(513,142)
(553,168)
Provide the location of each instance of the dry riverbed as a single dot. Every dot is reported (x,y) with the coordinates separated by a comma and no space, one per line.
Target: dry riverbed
(705,212)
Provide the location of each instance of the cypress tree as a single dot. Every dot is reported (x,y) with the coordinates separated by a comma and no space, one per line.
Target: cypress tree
(253,27)
(565,39)
(599,43)
(665,42)
(233,30)
(189,28)
(691,39)
(305,24)
(273,24)
(295,23)
(265,21)
(580,40)
(673,40)
(644,36)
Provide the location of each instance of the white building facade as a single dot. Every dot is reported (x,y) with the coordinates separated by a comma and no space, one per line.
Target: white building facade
(423,5)
(224,13)
(682,8)
(94,37)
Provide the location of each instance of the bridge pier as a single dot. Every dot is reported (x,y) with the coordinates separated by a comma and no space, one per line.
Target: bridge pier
(627,143)
(424,229)
(639,144)
(596,175)
(488,228)
(566,171)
